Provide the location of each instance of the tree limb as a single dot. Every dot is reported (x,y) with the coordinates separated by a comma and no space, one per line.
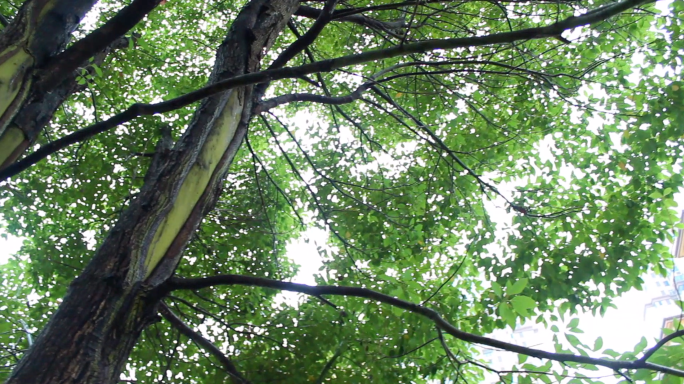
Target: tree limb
(330,363)
(302,42)
(36,114)
(4,21)
(176,283)
(307,38)
(66,62)
(269,75)
(183,328)
(661,343)
(364,21)
(310,97)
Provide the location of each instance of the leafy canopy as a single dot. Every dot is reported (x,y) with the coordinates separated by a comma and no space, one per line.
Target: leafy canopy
(577,137)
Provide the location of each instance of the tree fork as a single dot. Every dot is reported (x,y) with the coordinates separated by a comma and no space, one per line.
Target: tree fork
(40,30)
(50,73)
(36,113)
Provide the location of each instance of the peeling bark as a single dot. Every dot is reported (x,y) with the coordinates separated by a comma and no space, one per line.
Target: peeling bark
(39,74)
(40,30)
(36,113)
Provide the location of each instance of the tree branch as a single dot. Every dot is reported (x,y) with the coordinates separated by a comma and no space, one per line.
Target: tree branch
(33,116)
(310,97)
(269,75)
(198,283)
(183,328)
(661,343)
(4,21)
(268,104)
(302,42)
(364,21)
(307,38)
(67,61)
(330,363)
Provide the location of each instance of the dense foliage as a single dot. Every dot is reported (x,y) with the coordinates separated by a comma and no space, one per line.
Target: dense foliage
(494,184)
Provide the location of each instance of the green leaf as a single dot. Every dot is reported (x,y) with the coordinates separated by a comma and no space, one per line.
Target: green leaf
(97,69)
(573,340)
(507,314)
(641,345)
(497,289)
(523,304)
(598,344)
(517,287)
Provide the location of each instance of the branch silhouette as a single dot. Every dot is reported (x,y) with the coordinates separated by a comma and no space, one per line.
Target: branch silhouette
(616,365)
(269,75)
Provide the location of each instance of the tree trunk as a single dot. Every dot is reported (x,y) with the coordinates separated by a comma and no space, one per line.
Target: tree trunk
(89,338)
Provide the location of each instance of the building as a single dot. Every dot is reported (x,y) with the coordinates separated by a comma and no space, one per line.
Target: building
(667,291)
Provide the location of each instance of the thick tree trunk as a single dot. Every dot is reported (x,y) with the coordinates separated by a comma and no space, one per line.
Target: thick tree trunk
(89,338)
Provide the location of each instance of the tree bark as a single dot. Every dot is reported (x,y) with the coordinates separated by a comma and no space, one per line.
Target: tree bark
(41,73)
(36,113)
(40,30)
(89,338)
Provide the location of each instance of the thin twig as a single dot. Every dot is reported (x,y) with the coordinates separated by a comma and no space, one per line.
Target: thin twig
(207,345)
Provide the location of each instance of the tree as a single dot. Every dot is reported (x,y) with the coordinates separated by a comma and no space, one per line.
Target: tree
(157,211)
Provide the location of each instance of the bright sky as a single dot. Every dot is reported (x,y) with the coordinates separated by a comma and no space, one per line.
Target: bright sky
(8,247)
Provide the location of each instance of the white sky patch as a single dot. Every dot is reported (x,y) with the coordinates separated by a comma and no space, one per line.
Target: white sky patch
(305,252)
(9,245)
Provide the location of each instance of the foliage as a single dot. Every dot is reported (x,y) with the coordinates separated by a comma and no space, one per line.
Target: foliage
(578,141)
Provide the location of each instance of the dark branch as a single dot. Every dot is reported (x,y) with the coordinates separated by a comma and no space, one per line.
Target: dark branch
(67,61)
(183,328)
(441,323)
(410,351)
(137,110)
(4,21)
(361,20)
(661,343)
(273,182)
(331,362)
(310,97)
(308,38)
(46,150)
